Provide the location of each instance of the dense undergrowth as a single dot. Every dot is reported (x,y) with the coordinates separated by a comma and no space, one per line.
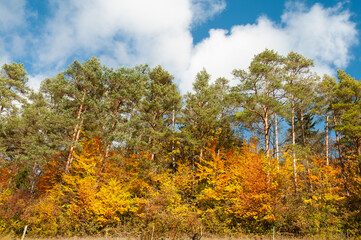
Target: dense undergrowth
(228,192)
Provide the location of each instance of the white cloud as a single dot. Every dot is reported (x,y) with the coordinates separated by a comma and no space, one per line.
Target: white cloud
(136,30)
(12,17)
(323,34)
(122,32)
(125,32)
(35,80)
(223,52)
(12,14)
(205,9)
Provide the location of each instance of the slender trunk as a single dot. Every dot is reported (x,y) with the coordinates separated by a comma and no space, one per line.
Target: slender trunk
(266,135)
(32,180)
(294,145)
(72,148)
(201,151)
(173,129)
(105,157)
(266,142)
(276,136)
(130,127)
(75,133)
(80,126)
(338,138)
(327,142)
(340,155)
(304,145)
(303,129)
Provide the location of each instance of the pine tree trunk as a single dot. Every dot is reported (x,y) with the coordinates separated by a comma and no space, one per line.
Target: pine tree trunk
(338,138)
(338,142)
(266,135)
(266,139)
(294,145)
(32,180)
(106,155)
(304,145)
(76,133)
(173,129)
(303,129)
(327,142)
(276,136)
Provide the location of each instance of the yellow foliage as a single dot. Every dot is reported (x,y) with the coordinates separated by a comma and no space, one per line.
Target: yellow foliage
(240,182)
(111,202)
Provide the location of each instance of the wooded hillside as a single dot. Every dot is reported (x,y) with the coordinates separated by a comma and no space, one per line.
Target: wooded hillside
(121,151)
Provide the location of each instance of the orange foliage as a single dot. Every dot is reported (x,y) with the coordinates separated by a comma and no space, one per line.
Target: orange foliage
(6,173)
(52,173)
(238,181)
(228,190)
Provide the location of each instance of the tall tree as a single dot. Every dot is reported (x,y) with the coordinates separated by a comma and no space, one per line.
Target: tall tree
(156,109)
(203,111)
(13,93)
(325,97)
(75,98)
(296,69)
(13,87)
(259,88)
(124,90)
(348,104)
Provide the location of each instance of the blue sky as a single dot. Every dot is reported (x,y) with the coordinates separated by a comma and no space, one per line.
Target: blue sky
(184,36)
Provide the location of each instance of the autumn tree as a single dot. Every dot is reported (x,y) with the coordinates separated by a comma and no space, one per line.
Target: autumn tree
(13,91)
(205,113)
(348,103)
(74,98)
(325,98)
(124,89)
(258,90)
(13,79)
(297,69)
(157,107)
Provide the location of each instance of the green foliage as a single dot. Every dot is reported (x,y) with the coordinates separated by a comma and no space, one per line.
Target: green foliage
(113,151)
(348,105)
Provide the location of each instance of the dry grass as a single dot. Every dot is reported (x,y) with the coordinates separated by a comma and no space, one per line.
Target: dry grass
(277,237)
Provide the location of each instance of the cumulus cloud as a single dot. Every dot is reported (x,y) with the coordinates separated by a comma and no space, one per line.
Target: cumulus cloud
(12,17)
(205,9)
(12,14)
(122,32)
(323,34)
(224,51)
(127,32)
(34,81)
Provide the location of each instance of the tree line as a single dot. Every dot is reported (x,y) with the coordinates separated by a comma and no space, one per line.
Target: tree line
(98,148)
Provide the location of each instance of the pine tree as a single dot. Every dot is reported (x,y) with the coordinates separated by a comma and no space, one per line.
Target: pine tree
(161,99)
(297,68)
(201,114)
(259,91)
(74,96)
(348,104)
